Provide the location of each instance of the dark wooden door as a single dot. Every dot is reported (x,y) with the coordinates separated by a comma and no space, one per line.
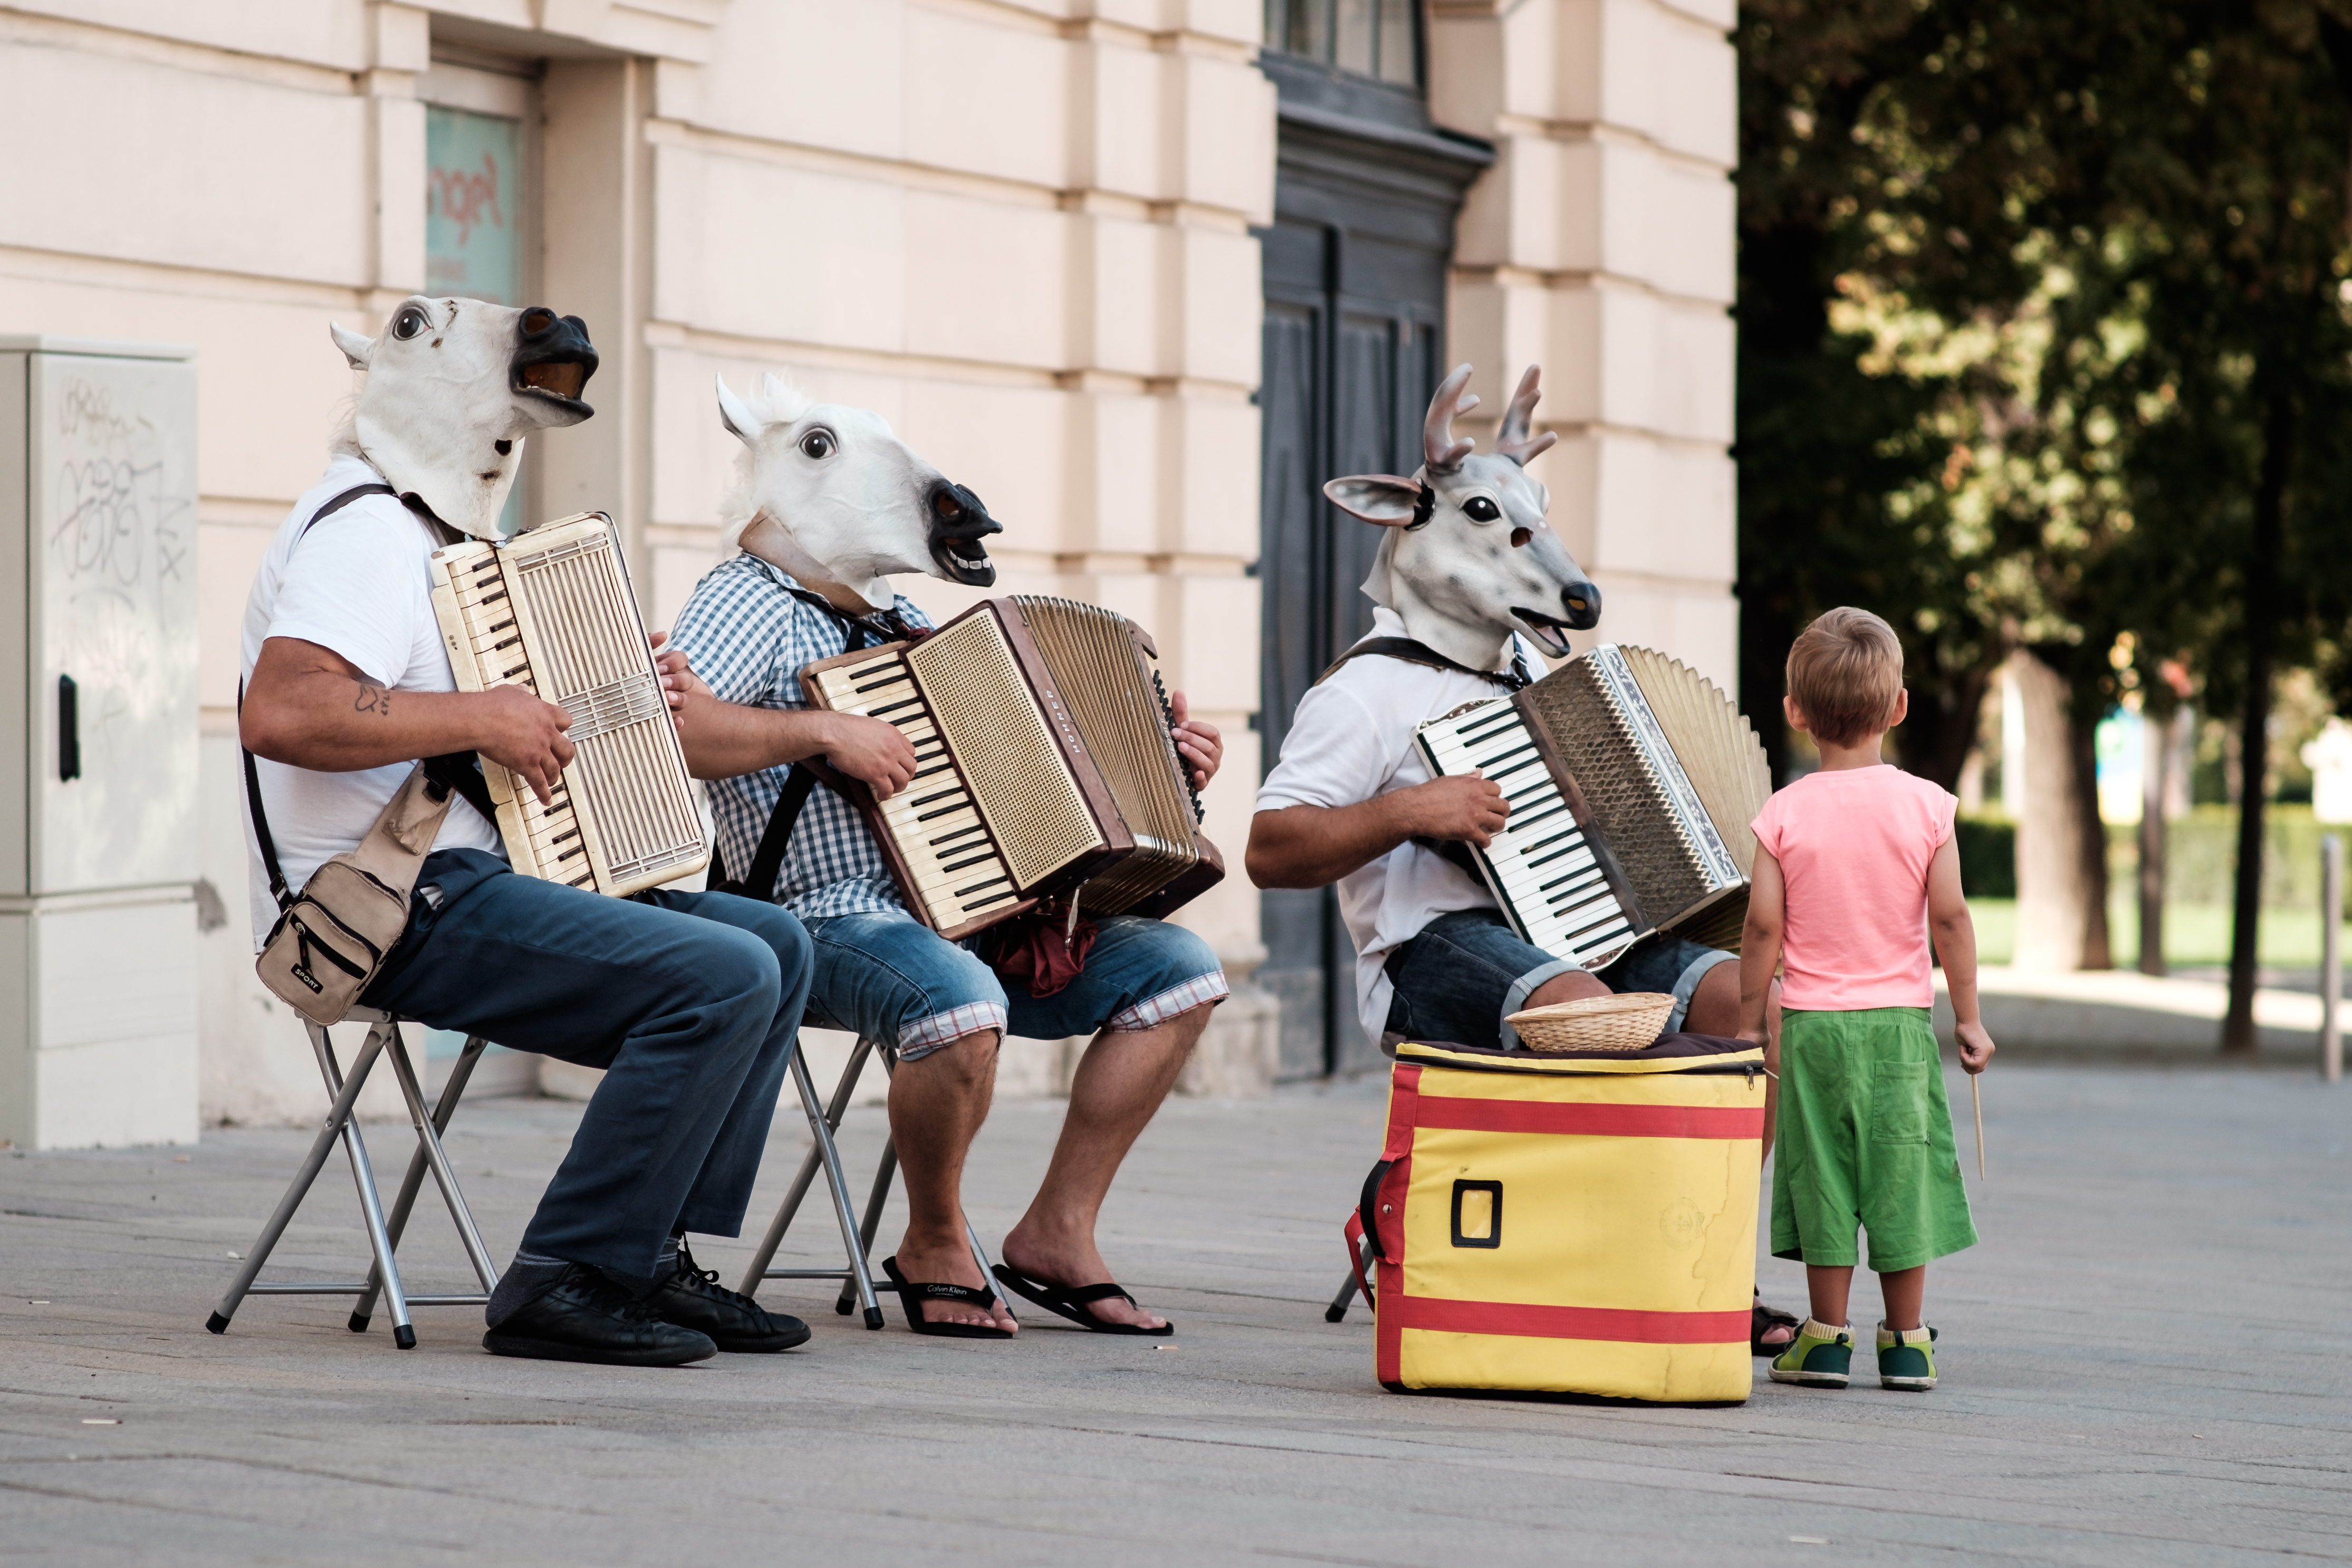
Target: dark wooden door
(1355,274)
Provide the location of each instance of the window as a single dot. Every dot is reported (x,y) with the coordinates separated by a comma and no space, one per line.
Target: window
(473,205)
(1377,39)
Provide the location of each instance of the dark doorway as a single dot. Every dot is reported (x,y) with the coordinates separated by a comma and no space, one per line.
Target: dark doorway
(1356,263)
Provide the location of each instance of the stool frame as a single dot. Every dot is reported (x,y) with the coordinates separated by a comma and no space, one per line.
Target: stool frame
(858,1287)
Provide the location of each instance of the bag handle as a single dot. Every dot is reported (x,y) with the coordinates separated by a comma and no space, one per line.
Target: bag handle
(1367,1221)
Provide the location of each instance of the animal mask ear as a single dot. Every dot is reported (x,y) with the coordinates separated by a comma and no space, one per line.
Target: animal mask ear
(356,348)
(737,415)
(1382,498)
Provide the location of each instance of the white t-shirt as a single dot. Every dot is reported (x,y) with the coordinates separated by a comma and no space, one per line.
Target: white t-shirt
(1352,740)
(360,586)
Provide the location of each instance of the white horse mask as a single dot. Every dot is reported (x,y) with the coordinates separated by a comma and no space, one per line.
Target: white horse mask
(831,496)
(453,386)
(1469,557)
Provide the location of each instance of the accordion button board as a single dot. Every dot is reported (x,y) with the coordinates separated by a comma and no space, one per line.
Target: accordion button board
(550,610)
(1631,781)
(1045,765)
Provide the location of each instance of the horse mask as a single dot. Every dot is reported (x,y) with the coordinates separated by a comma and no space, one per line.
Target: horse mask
(1469,557)
(453,386)
(829,495)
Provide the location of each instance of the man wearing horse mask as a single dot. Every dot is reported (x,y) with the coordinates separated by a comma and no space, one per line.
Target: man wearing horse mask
(830,504)
(688,1000)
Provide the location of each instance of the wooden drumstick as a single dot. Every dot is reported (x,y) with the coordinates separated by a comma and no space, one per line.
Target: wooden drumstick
(1976,1094)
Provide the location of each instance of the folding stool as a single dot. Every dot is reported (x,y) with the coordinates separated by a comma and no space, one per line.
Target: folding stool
(857,1278)
(384,1231)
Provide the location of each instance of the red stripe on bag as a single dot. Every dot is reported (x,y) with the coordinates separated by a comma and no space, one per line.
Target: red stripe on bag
(1590,1121)
(1404,1104)
(1403,1311)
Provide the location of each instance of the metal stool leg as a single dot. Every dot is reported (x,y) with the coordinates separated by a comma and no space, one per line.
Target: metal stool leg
(1347,1296)
(338,1116)
(453,1092)
(858,1281)
(403,1330)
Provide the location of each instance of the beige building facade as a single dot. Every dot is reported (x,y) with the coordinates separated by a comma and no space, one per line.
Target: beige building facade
(1028,232)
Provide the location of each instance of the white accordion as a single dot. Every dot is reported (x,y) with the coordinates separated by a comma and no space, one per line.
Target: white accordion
(551,612)
(1631,781)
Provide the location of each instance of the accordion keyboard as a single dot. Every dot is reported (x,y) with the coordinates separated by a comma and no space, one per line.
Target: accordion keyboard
(951,858)
(1542,871)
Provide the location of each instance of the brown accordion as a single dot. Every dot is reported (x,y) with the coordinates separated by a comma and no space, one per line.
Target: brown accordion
(1045,764)
(551,612)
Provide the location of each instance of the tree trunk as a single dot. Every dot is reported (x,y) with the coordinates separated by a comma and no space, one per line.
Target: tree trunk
(2061,868)
(2155,786)
(2090,836)
(2237,1037)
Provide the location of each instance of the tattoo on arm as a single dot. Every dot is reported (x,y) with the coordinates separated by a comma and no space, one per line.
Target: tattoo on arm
(372,699)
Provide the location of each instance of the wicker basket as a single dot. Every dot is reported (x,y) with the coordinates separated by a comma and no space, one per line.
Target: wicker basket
(1626,1023)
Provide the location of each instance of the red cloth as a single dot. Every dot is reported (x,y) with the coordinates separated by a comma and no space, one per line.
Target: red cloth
(1030,952)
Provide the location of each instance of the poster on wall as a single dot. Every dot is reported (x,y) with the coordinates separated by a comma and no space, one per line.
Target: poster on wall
(472,202)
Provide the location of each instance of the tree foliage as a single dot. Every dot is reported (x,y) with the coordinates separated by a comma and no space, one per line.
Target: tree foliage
(2046,340)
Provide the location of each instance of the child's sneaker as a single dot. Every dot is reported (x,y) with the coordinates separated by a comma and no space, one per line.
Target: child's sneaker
(1906,1357)
(1819,1357)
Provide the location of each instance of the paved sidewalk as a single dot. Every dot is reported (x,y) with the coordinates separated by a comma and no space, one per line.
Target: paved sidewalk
(2143,1366)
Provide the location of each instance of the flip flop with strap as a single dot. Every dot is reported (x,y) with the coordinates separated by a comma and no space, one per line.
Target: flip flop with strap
(1762,1320)
(912,1293)
(1070,1302)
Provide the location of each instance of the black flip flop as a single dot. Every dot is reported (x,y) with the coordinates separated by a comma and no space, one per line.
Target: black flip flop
(913,1294)
(1762,1320)
(1071,1302)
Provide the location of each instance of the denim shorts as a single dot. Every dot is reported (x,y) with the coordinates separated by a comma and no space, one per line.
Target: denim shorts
(894,980)
(1467,971)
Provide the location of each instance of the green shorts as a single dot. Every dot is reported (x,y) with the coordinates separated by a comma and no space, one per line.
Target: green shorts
(1866,1139)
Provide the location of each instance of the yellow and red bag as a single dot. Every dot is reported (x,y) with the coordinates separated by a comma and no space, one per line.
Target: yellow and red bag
(1567,1224)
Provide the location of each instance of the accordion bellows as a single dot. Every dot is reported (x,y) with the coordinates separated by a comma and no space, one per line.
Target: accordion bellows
(550,610)
(1045,763)
(1633,779)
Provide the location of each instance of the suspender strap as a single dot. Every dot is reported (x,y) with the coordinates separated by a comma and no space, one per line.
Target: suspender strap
(858,631)
(1416,653)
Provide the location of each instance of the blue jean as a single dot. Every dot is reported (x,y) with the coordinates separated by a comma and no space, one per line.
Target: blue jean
(690,1002)
(894,980)
(1468,971)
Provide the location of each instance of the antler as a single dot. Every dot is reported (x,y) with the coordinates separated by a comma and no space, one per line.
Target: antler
(1438,448)
(1513,442)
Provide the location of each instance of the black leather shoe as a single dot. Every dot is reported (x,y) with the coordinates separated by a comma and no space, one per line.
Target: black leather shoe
(583,1316)
(693,1298)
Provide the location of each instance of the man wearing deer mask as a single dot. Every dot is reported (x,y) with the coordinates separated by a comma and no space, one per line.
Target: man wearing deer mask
(690,1001)
(1473,590)
(829,505)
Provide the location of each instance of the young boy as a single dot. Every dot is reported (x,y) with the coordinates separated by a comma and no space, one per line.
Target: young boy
(1854,864)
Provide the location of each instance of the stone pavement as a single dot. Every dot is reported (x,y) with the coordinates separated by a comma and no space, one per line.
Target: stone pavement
(2140,1368)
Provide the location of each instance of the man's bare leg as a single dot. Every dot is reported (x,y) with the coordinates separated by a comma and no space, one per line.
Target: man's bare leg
(1119,1084)
(937,1104)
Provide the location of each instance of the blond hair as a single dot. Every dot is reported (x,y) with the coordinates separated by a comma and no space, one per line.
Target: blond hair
(1845,669)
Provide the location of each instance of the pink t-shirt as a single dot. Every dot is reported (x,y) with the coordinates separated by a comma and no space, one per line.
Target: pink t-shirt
(1854,847)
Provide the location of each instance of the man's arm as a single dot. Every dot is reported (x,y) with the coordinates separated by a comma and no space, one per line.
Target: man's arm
(309,706)
(726,740)
(1760,945)
(1312,846)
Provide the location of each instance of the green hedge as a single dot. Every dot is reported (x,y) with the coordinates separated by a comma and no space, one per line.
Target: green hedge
(2200,853)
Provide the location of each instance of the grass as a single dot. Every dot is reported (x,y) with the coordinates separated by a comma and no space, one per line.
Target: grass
(2194,933)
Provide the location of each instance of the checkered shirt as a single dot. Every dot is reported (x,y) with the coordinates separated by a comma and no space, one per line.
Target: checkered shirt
(748,638)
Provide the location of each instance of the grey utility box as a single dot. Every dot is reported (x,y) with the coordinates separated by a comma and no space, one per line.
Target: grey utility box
(98,742)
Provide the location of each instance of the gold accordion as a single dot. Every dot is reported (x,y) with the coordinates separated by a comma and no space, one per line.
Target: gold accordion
(1045,764)
(551,612)
(1631,781)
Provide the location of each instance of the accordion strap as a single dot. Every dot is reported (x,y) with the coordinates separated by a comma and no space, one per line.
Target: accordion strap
(1413,652)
